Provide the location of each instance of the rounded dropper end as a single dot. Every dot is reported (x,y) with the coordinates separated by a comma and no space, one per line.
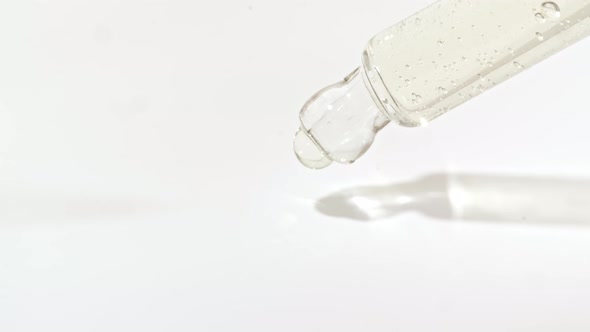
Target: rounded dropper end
(338,123)
(308,152)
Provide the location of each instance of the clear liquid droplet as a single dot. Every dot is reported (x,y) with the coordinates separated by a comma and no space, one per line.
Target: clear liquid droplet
(308,153)
(540,36)
(339,122)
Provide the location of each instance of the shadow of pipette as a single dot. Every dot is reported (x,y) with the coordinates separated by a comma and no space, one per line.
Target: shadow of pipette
(490,198)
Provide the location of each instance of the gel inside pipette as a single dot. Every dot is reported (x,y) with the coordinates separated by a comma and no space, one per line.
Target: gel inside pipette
(431,63)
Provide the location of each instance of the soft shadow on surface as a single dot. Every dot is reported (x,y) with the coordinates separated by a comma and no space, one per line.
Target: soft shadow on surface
(491,198)
(75,209)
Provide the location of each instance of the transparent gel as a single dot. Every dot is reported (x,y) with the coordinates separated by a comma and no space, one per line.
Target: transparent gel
(431,63)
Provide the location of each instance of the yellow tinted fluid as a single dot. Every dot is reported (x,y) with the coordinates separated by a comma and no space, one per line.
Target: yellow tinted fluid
(456,49)
(429,64)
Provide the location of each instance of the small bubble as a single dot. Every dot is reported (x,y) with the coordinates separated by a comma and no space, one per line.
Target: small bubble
(540,36)
(408,67)
(540,18)
(551,10)
(459,39)
(441,42)
(518,65)
(416,98)
(442,90)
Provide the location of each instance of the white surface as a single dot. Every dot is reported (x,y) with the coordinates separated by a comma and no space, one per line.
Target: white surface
(148,183)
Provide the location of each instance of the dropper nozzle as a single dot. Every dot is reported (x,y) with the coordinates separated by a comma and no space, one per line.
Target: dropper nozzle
(338,123)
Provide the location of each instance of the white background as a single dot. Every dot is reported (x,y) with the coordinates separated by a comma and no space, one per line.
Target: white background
(148,183)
